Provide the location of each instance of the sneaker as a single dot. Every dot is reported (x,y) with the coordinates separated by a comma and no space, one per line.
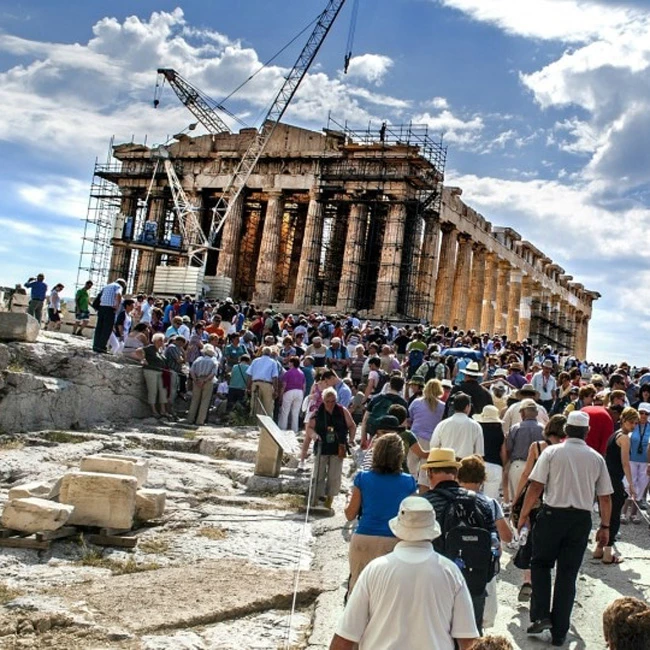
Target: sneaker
(525,592)
(302,466)
(537,627)
(643,505)
(635,519)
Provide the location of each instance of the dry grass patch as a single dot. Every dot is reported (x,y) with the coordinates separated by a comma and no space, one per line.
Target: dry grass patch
(62,437)
(94,558)
(154,546)
(11,443)
(213,532)
(8,593)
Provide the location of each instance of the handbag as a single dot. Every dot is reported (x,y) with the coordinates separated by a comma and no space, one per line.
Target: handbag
(97,302)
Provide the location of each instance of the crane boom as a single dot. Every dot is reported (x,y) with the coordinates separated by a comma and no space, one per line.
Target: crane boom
(201,106)
(280,103)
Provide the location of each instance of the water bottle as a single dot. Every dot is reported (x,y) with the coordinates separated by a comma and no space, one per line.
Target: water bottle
(460,563)
(523,536)
(496,545)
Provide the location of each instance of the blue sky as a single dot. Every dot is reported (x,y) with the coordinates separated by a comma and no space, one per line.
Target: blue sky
(544,104)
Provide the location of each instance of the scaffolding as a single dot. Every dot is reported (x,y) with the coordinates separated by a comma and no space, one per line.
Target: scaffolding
(381,166)
(551,327)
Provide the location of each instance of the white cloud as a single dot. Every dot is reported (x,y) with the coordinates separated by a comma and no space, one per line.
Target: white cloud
(64,196)
(454,129)
(370,67)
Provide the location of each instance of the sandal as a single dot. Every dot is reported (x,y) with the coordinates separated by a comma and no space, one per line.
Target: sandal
(616,559)
(598,553)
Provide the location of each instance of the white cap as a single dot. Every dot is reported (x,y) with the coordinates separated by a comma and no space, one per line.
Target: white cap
(644,406)
(578,419)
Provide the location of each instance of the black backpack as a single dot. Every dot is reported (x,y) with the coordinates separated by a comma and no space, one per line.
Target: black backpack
(466,540)
(381,382)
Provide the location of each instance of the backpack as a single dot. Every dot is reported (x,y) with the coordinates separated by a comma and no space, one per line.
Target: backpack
(416,359)
(381,382)
(466,540)
(97,302)
(324,330)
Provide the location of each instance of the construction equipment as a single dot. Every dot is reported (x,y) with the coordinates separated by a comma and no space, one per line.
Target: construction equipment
(280,104)
(198,103)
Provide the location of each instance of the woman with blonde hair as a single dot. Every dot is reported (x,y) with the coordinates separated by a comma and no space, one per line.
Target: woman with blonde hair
(424,415)
(377,495)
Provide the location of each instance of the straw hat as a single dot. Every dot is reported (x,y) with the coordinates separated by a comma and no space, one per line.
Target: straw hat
(527,390)
(472,370)
(416,521)
(489,413)
(441,457)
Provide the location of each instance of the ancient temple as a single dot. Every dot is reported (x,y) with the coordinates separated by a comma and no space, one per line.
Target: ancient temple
(340,221)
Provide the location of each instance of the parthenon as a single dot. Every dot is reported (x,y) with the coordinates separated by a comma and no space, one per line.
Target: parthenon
(338,221)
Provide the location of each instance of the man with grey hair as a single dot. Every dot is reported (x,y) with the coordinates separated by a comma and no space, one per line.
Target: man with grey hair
(332,429)
(520,437)
(263,376)
(412,597)
(202,372)
(110,299)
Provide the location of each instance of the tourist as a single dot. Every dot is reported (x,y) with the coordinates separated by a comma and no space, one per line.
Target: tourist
(138,337)
(82,309)
(175,356)
(264,376)
(479,396)
(317,351)
(471,476)
(494,448)
(194,344)
(520,437)
(123,323)
(569,474)
(238,383)
(459,432)
(617,458)
(425,413)
(412,597)
(329,428)
(626,624)
(202,371)
(512,415)
(337,356)
(38,292)
(54,309)
(293,392)
(378,406)
(553,434)
(375,498)
(110,299)
(638,454)
(545,384)
(442,468)
(155,365)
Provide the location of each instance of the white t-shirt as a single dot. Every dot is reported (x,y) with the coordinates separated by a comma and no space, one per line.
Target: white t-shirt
(55,300)
(410,598)
(146,310)
(460,433)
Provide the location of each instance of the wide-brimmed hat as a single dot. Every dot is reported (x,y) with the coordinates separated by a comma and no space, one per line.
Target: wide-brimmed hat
(490,413)
(527,390)
(527,404)
(416,521)
(417,379)
(472,370)
(440,457)
(446,383)
(516,365)
(388,423)
(547,363)
(500,372)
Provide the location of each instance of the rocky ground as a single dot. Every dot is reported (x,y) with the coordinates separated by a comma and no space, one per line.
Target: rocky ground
(218,571)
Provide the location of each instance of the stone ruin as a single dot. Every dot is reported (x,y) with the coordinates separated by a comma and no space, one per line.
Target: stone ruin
(106,492)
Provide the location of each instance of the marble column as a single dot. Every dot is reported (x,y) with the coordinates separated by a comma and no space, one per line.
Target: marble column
(446,268)
(460,293)
(268,258)
(477,287)
(121,255)
(577,334)
(514,302)
(354,249)
(503,293)
(584,339)
(231,239)
(426,282)
(390,262)
(525,308)
(490,293)
(545,310)
(310,255)
(554,317)
(566,321)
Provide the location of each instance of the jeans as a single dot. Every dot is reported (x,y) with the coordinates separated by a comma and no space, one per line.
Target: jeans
(103,328)
(35,309)
(560,537)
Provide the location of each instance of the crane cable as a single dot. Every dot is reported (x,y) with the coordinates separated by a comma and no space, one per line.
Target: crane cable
(351,33)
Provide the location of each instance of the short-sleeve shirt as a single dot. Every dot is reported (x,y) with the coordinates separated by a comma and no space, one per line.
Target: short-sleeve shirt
(424,419)
(381,495)
(412,584)
(570,472)
(82,299)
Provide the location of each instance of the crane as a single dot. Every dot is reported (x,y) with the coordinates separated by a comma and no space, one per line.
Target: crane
(198,103)
(248,161)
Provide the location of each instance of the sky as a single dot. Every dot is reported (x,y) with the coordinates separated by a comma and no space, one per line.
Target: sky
(544,105)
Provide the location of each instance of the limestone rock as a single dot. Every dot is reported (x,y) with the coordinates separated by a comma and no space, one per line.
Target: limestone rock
(34,489)
(115,464)
(34,515)
(150,504)
(104,500)
(4,357)
(140,469)
(18,327)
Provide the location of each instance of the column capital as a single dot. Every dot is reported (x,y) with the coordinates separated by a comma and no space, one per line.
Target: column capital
(504,264)
(273,193)
(447,227)
(478,248)
(464,238)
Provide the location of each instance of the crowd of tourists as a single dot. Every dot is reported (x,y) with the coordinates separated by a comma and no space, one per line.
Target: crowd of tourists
(451,431)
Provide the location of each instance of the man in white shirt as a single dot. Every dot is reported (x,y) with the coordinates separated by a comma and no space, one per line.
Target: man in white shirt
(146,310)
(412,597)
(544,383)
(513,415)
(569,475)
(459,432)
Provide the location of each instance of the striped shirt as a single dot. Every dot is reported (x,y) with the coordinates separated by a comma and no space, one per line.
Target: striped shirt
(109,292)
(203,367)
